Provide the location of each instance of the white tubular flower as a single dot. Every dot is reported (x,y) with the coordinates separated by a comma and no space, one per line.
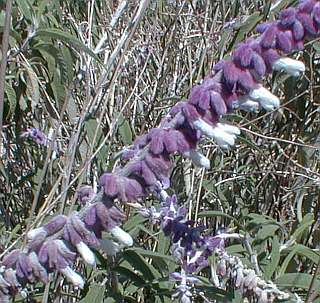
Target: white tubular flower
(33,233)
(73,277)
(223,134)
(122,236)
(265,98)
(290,66)
(109,247)
(86,253)
(249,105)
(198,158)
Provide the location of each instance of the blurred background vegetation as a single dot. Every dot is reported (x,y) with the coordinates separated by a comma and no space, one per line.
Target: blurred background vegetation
(94,75)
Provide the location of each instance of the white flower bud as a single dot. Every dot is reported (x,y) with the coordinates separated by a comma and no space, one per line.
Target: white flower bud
(224,136)
(73,277)
(290,66)
(111,248)
(265,98)
(122,236)
(198,158)
(86,253)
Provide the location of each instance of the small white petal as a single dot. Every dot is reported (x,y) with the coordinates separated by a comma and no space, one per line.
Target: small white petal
(122,236)
(249,105)
(109,247)
(198,158)
(232,130)
(33,233)
(86,253)
(266,99)
(73,277)
(223,138)
(290,66)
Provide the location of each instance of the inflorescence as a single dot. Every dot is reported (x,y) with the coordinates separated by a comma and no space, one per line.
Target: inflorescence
(232,84)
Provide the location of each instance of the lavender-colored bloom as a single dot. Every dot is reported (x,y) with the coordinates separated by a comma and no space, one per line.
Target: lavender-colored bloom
(36,135)
(85,194)
(269,35)
(243,55)
(169,140)
(183,294)
(55,255)
(124,188)
(103,216)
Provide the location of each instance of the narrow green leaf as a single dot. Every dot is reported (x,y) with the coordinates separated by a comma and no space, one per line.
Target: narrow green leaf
(296,280)
(67,38)
(95,294)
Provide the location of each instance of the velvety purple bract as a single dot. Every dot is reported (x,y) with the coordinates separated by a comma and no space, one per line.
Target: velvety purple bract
(316,13)
(55,224)
(259,66)
(268,37)
(287,17)
(308,24)
(284,41)
(243,55)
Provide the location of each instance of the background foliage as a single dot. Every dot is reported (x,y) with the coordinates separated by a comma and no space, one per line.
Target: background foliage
(94,103)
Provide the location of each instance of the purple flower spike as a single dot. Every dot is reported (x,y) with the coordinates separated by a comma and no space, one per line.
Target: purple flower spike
(56,255)
(85,194)
(10,276)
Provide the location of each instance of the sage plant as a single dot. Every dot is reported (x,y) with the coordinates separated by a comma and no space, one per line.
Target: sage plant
(233,83)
